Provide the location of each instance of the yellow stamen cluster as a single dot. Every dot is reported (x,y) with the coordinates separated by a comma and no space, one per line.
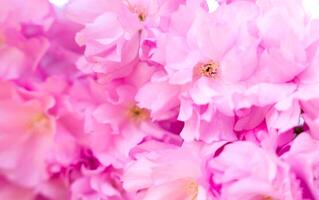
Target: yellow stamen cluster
(141,14)
(138,114)
(40,123)
(192,189)
(209,69)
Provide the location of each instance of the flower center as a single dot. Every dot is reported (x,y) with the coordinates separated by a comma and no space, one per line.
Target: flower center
(192,189)
(141,14)
(209,69)
(40,123)
(136,113)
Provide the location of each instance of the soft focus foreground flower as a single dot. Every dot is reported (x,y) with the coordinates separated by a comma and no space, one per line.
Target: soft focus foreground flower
(245,171)
(26,126)
(159,99)
(303,158)
(22,36)
(164,171)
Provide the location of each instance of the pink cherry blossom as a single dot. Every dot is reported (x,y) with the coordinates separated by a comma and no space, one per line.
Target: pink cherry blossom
(303,159)
(160,171)
(159,100)
(22,36)
(32,131)
(245,171)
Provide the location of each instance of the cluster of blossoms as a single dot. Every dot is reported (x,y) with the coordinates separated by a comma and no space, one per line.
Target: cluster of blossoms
(159,100)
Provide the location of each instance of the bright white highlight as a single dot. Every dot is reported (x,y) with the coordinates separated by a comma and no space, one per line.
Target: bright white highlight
(312,8)
(212,5)
(59,3)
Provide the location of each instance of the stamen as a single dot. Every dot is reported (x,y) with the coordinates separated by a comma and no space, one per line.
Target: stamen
(141,14)
(192,189)
(40,123)
(209,69)
(141,17)
(136,113)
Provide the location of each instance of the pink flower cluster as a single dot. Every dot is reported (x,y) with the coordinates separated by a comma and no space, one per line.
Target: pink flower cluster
(159,100)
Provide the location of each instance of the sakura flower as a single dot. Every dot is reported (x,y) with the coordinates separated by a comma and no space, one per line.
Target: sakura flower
(163,171)
(159,99)
(303,152)
(22,40)
(194,71)
(128,127)
(32,131)
(191,56)
(245,171)
(113,52)
(86,117)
